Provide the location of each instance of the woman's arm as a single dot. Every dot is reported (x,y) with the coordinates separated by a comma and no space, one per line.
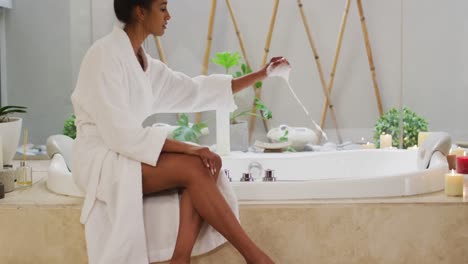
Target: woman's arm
(248,80)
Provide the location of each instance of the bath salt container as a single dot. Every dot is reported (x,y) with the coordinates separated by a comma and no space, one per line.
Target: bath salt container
(7,178)
(462,168)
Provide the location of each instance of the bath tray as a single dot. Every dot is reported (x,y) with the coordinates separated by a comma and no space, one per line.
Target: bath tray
(272,147)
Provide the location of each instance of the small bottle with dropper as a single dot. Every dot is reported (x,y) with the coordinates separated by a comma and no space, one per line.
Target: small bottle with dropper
(24,172)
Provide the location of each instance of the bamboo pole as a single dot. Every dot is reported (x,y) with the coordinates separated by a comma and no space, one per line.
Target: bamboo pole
(335,60)
(258,92)
(209,40)
(162,55)
(370,57)
(238,33)
(320,70)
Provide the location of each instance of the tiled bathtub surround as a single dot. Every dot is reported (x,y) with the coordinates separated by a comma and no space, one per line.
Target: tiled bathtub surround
(40,227)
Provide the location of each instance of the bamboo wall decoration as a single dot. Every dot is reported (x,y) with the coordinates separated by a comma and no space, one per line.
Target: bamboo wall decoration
(320,70)
(258,92)
(370,57)
(326,88)
(209,40)
(238,33)
(162,55)
(335,61)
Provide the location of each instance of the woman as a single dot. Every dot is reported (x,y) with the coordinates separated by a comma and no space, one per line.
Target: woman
(117,161)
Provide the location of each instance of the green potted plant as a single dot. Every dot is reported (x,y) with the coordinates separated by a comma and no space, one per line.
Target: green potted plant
(69,128)
(389,124)
(187,131)
(10,131)
(239,128)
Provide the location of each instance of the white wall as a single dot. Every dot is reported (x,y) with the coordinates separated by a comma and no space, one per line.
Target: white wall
(436,72)
(47,40)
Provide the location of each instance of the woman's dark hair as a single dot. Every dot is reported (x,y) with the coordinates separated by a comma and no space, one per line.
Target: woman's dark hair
(123,8)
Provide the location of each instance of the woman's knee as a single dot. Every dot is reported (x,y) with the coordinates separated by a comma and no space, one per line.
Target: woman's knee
(196,171)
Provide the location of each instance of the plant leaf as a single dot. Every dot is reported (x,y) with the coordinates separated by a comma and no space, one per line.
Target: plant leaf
(183,120)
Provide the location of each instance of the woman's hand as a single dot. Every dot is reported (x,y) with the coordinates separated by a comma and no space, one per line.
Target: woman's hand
(276,66)
(210,159)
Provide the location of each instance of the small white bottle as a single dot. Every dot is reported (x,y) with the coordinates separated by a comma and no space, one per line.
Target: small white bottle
(24,175)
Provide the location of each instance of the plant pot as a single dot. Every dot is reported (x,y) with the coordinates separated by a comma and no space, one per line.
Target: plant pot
(10,132)
(239,136)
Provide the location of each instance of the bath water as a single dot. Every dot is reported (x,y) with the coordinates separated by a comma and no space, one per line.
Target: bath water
(284,74)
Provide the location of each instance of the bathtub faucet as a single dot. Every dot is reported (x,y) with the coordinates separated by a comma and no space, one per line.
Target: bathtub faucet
(255,169)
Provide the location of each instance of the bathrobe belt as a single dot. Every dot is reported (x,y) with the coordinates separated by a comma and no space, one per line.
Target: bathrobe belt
(85,131)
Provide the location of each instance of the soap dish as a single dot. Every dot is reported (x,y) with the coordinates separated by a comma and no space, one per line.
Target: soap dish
(272,147)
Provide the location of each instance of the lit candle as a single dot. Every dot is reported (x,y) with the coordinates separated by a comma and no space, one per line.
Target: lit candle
(422,136)
(385,141)
(368,145)
(458,152)
(453,184)
(223,144)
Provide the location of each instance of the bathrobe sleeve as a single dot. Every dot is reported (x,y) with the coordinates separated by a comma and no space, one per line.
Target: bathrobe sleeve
(110,107)
(176,92)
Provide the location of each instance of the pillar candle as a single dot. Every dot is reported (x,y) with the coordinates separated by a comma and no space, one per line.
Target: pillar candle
(453,184)
(462,164)
(223,144)
(422,136)
(1,153)
(385,141)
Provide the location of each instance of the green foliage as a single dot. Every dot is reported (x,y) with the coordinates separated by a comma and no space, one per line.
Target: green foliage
(226,59)
(389,124)
(69,128)
(267,114)
(229,60)
(6,110)
(186,132)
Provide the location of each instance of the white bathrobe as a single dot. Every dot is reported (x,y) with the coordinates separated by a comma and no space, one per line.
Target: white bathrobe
(113,96)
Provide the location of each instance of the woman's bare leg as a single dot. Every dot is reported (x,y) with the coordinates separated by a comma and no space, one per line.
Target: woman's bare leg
(189,227)
(190,224)
(207,200)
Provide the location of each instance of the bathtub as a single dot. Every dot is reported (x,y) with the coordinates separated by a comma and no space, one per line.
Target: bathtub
(340,174)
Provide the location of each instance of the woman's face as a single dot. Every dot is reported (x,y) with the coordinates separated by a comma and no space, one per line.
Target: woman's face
(155,19)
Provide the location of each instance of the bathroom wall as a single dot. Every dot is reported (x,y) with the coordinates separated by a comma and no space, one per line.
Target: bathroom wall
(434,55)
(45,41)
(436,63)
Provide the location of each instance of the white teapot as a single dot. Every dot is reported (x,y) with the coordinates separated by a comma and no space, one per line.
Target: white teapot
(298,136)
